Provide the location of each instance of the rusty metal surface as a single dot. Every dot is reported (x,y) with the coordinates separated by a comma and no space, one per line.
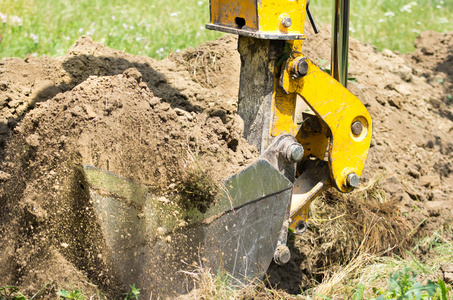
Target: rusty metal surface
(256,34)
(264,19)
(256,86)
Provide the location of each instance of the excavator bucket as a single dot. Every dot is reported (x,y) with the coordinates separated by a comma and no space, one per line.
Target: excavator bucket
(149,240)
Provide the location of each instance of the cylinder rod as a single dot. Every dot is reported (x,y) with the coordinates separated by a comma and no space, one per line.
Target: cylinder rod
(340,41)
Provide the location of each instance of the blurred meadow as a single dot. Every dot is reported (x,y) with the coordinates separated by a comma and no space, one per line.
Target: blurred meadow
(155,28)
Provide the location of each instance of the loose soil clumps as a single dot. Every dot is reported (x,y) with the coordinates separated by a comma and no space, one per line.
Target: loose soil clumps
(109,117)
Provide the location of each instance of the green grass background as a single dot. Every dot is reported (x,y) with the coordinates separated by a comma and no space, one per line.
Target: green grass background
(153,28)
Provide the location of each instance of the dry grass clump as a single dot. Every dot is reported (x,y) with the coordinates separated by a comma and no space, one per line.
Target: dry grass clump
(202,64)
(206,285)
(344,225)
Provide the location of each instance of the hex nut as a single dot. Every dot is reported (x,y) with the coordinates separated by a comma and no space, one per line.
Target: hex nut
(301,68)
(357,128)
(353,180)
(286,22)
(282,255)
(295,153)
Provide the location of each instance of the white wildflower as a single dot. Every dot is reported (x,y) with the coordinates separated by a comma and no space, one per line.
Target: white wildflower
(125,26)
(3,17)
(174,14)
(200,3)
(389,14)
(381,20)
(34,37)
(408,7)
(16,20)
(113,18)
(201,28)
(80,30)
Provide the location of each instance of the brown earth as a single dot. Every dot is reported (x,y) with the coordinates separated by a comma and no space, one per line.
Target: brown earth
(151,121)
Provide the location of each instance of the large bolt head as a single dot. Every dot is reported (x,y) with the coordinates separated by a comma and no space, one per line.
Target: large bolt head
(353,180)
(282,255)
(357,128)
(301,68)
(287,22)
(295,153)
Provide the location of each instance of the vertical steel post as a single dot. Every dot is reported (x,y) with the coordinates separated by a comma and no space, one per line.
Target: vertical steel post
(340,41)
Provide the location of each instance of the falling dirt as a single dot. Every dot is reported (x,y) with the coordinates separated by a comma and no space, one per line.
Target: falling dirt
(154,121)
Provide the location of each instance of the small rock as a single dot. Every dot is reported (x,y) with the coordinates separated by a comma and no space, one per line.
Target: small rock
(388,53)
(448,277)
(161,231)
(77,111)
(4,176)
(403,89)
(447,270)
(154,101)
(435,102)
(429,181)
(133,73)
(405,73)
(90,112)
(33,140)
(164,106)
(14,103)
(446,267)
(164,200)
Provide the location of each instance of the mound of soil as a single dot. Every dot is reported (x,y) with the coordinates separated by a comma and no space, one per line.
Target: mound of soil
(84,109)
(150,120)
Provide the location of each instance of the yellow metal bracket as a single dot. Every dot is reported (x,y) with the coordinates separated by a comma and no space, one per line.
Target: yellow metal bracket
(347,119)
(263,19)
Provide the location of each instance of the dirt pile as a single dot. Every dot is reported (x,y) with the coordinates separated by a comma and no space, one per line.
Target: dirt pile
(146,119)
(95,107)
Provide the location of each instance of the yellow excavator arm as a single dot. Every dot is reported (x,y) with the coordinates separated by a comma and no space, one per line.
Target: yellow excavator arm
(335,134)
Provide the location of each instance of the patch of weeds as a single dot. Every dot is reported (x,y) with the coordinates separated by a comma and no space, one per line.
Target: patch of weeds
(133,293)
(11,293)
(74,294)
(403,285)
(359,291)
